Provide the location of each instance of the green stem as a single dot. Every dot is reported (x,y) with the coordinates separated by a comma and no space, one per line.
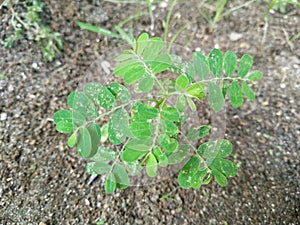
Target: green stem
(168,21)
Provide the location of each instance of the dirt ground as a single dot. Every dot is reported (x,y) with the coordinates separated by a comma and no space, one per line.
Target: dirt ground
(42,181)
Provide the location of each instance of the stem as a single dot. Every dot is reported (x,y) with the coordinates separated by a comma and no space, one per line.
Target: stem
(151,14)
(168,21)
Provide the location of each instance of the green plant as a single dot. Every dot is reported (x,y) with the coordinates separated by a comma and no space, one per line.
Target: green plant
(279,5)
(148,130)
(29,23)
(217,6)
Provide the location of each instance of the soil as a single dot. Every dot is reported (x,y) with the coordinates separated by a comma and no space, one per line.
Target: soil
(44,182)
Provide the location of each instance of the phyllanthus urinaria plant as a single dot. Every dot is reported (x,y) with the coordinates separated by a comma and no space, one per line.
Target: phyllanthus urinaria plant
(121,136)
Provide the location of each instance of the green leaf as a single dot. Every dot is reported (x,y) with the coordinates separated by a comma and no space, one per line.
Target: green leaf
(72,140)
(69,117)
(146,84)
(201,65)
(224,148)
(98,168)
(235,94)
(215,62)
(224,88)
(255,76)
(160,156)
(131,70)
(245,65)
(133,168)
(124,67)
(119,91)
(168,127)
(89,27)
(230,62)
(198,133)
(65,127)
(131,155)
(170,113)
(106,98)
(84,143)
(142,42)
(153,48)
(124,56)
(110,184)
(219,177)
(211,149)
(104,154)
(180,154)
(181,103)
(104,133)
(144,112)
(140,129)
(196,90)
(92,91)
(160,63)
(151,165)
(248,92)
(191,104)
(197,179)
(167,143)
(228,168)
(118,128)
(95,134)
(189,71)
(187,172)
(79,102)
(121,176)
(181,82)
(215,96)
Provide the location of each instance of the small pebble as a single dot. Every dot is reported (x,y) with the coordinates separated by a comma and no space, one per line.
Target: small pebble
(235,36)
(3,116)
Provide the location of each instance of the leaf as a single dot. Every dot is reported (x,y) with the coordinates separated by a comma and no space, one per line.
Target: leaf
(136,149)
(219,177)
(142,42)
(230,62)
(104,154)
(89,27)
(212,149)
(198,133)
(197,179)
(215,60)
(118,128)
(245,65)
(160,156)
(132,72)
(121,176)
(131,155)
(146,84)
(187,172)
(196,90)
(143,112)
(189,71)
(62,115)
(106,98)
(153,48)
(151,165)
(95,134)
(224,88)
(65,127)
(168,127)
(72,140)
(167,143)
(170,113)
(201,65)
(124,67)
(215,96)
(124,56)
(248,92)
(180,154)
(119,91)
(98,168)
(228,168)
(80,103)
(191,104)
(110,184)
(92,90)
(160,63)
(133,168)
(181,103)
(104,133)
(84,143)
(140,129)
(255,76)
(235,94)
(224,148)
(181,82)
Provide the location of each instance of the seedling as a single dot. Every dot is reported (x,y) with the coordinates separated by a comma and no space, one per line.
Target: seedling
(280,5)
(147,132)
(29,23)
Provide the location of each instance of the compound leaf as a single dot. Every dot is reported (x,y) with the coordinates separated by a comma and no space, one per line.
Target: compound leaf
(248,92)
(201,65)
(245,65)
(181,82)
(84,144)
(118,128)
(119,91)
(235,94)
(98,168)
(110,184)
(215,62)
(151,165)
(230,62)
(215,96)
